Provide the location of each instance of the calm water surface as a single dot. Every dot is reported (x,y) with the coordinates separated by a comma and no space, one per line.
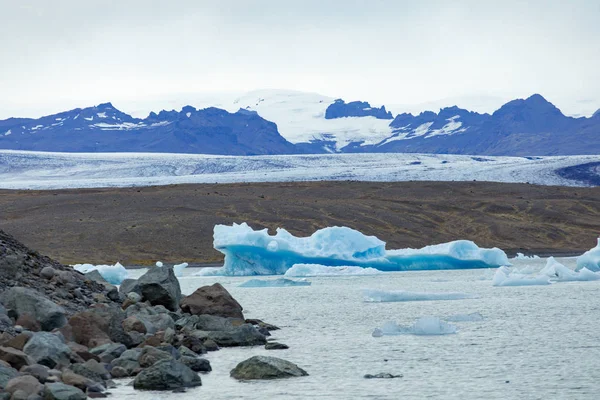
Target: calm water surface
(537,342)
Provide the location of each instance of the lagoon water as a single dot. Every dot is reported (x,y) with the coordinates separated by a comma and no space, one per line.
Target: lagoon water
(535,342)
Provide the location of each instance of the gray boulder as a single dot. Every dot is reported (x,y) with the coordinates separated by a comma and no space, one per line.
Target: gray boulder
(91,369)
(127,363)
(60,391)
(155,318)
(128,286)
(276,346)
(151,356)
(100,324)
(159,286)
(27,301)
(40,372)
(245,335)
(213,300)
(262,367)
(112,291)
(112,351)
(25,383)
(196,363)
(48,349)
(16,358)
(166,375)
(6,374)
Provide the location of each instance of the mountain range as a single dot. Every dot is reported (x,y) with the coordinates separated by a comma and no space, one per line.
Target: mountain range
(286,122)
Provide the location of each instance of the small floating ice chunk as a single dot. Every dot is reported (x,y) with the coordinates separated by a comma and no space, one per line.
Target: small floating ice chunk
(590,259)
(560,273)
(178,268)
(424,326)
(281,282)
(159,264)
(521,256)
(383,296)
(324,270)
(472,317)
(505,277)
(114,274)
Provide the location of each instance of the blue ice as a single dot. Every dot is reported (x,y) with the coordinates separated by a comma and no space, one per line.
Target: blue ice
(114,274)
(250,252)
(281,282)
(590,259)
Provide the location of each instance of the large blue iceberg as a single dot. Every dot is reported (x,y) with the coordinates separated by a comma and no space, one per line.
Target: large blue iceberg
(250,252)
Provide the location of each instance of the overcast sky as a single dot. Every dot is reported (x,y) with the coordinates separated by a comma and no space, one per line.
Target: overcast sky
(70,53)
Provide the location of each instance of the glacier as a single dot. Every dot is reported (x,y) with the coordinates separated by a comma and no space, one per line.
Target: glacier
(300,270)
(114,274)
(250,252)
(385,296)
(424,326)
(281,282)
(590,259)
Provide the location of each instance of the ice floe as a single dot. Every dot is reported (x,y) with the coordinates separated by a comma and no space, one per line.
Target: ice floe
(281,282)
(424,326)
(114,274)
(384,296)
(553,272)
(505,277)
(590,259)
(178,268)
(250,252)
(299,270)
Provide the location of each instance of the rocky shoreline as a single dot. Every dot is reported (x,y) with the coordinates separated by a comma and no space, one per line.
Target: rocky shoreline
(66,336)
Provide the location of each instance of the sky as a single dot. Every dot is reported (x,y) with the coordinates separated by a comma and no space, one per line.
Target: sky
(59,54)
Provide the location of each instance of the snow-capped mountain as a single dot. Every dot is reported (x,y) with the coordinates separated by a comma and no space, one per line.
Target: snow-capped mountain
(286,122)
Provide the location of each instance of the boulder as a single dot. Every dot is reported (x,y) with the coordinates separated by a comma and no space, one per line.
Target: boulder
(111,290)
(128,286)
(79,381)
(276,346)
(211,345)
(215,323)
(127,364)
(27,383)
(245,335)
(60,391)
(40,372)
(5,322)
(194,344)
(151,356)
(212,300)
(47,272)
(262,324)
(383,375)
(16,358)
(82,351)
(196,363)
(166,375)
(160,286)
(262,367)
(91,369)
(6,374)
(27,301)
(48,349)
(112,351)
(99,325)
(19,341)
(28,322)
(133,323)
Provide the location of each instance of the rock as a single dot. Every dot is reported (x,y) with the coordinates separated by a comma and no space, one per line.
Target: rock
(245,335)
(262,324)
(166,375)
(215,323)
(262,367)
(196,363)
(382,375)
(60,391)
(127,363)
(151,356)
(27,383)
(184,351)
(19,341)
(133,323)
(6,374)
(128,286)
(101,324)
(155,318)
(28,322)
(19,395)
(194,344)
(71,378)
(16,358)
(212,300)
(47,273)
(211,345)
(120,372)
(40,372)
(111,290)
(27,301)
(48,349)
(169,335)
(134,297)
(95,276)
(159,286)
(5,322)
(82,351)
(111,352)
(91,369)
(276,346)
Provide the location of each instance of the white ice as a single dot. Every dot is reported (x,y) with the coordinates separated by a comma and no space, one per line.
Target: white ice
(424,326)
(590,259)
(559,273)
(384,296)
(114,274)
(323,270)
(521,256)
(505,277)
(280,282)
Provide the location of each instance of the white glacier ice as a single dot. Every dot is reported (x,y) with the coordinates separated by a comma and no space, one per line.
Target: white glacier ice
(590,259)
(424,326)
(299,270)
(384,296)
(472,317)
(521,256)
(505,277)
(559,273)
(178,268)
(280,282)
(114,274)
(250,252)
(159,264)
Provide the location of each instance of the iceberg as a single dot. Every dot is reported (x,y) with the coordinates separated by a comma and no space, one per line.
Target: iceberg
(505,277)
(424,326)
(281,282)
(114,274)
(521,256)
(178,268)
(560,273)
(250,252)
(299,270)
(384,296)
(590,259)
